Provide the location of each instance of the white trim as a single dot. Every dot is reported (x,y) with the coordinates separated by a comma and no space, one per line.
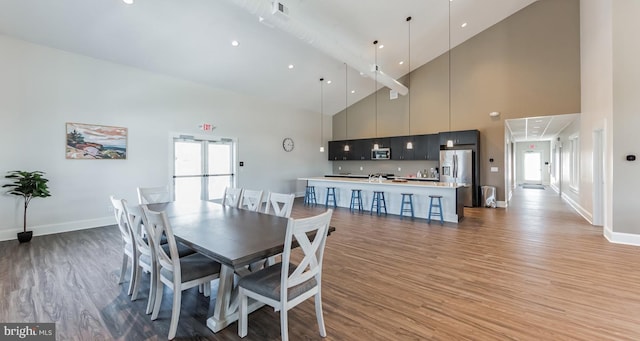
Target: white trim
(59,228)
(501,204)
(621,238)
(584,213)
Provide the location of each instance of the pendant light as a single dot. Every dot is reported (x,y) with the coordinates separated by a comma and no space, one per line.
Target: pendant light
(409,143)
(375,89)
(321,114)
(346,107)
(449,141)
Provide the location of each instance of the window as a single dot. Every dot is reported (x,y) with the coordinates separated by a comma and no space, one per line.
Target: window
(574,163)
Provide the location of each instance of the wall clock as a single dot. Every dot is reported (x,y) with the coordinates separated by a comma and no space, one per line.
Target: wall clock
(287,144)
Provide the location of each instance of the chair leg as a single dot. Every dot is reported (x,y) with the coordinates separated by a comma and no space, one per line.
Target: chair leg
(284,328)
(318,299)
(134,273)
(175,311)
(242,314)
(136,283)
(123,272)
(200,288)
(158,300)
(207,289)
(153,284)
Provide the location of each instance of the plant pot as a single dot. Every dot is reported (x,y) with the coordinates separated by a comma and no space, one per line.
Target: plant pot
(25,237)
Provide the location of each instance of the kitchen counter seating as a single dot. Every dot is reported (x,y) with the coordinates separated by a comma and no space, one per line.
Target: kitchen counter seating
(452,194)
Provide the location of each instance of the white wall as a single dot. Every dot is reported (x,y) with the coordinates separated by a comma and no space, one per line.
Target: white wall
(42,88)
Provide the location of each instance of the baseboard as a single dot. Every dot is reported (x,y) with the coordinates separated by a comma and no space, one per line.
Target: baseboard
(621,238)
(59,228)
(581,211)
(501,204)
(555,188)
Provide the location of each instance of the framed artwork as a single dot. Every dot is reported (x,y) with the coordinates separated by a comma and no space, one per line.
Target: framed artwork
(91,141)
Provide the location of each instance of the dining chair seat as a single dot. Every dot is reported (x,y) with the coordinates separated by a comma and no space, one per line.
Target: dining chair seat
(193,266)
(267,282)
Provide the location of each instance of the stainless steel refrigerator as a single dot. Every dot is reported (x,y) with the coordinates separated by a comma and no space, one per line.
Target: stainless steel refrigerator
(456,166)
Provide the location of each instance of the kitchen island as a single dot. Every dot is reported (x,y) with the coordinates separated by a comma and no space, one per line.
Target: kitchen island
(452,196)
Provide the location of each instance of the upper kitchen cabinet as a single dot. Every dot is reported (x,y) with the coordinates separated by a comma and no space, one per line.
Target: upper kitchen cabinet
(336,150)
(383,142)
(399,149)
(359,150)
(426,147)
(460,137)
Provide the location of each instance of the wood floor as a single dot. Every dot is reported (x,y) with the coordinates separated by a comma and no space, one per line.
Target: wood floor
(534,271)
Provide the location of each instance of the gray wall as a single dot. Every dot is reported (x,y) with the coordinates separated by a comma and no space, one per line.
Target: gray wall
(527,65)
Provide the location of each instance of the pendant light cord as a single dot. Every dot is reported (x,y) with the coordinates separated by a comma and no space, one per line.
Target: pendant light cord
(321,110)
(409,74)
(449,56)
(375,84)
(346,103)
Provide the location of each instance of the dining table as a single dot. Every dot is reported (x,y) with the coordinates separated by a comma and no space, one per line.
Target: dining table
(232,236)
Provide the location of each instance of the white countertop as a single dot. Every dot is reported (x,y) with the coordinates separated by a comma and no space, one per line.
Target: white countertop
(387,182)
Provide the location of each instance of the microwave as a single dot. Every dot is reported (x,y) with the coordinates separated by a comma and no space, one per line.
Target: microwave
(381,154)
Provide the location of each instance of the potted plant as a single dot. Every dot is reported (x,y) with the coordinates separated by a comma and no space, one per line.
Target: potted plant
(29,185)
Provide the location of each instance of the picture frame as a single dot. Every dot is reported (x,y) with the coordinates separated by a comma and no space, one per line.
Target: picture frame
(95,142)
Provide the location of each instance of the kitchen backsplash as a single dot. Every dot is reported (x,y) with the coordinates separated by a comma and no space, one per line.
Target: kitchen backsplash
(407,168)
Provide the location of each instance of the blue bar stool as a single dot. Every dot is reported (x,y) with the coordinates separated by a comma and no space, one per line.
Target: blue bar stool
(438,205)
(378,202)
(331,195)
(310,196)
(407,199)
(356,199)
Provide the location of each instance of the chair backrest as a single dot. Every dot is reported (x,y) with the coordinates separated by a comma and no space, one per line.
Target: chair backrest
(154,195)
(313,249)
(231,196)
(281,204)
(251,200)
(120,213)
(160,225)
(136,218)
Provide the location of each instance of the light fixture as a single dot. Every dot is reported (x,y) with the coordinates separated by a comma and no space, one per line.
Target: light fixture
(464,24)
(290,66)
(346,107)
(234,43)
(449,141)
(329,82)
(375,89)
(128,2)
(321,114)
(494,114)
(409,143)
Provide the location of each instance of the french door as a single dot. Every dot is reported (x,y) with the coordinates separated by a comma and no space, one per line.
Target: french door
(202,168)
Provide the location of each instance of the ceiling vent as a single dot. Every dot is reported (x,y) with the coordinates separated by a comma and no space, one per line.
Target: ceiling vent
(279,9)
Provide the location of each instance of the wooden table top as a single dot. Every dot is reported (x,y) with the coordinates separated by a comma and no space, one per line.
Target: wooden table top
(231,236)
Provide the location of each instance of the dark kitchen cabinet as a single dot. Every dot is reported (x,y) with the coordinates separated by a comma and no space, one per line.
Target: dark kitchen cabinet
(336,151)
(383,142)
(399,149)
(426,147)
(460,137)
(359,150)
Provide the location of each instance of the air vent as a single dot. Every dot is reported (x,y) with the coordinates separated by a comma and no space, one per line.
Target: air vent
(279,9)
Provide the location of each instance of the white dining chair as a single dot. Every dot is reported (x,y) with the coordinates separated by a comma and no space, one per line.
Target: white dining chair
(231,196)
(154,195)
(147,258)
(129,250)
(279,204)
(177,273)
(285,285)
(251,200)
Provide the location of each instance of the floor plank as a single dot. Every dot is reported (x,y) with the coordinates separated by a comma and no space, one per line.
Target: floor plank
(534,271)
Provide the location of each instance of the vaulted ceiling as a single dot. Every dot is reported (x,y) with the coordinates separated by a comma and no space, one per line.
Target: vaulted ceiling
(191,39)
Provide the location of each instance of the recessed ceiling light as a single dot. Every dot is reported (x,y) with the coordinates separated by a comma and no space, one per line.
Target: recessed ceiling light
(128,2)
(353,91)
(235,43)
(290,66)
(381,46)
(464,24)
(328,82)
(538,121)
(401,62)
